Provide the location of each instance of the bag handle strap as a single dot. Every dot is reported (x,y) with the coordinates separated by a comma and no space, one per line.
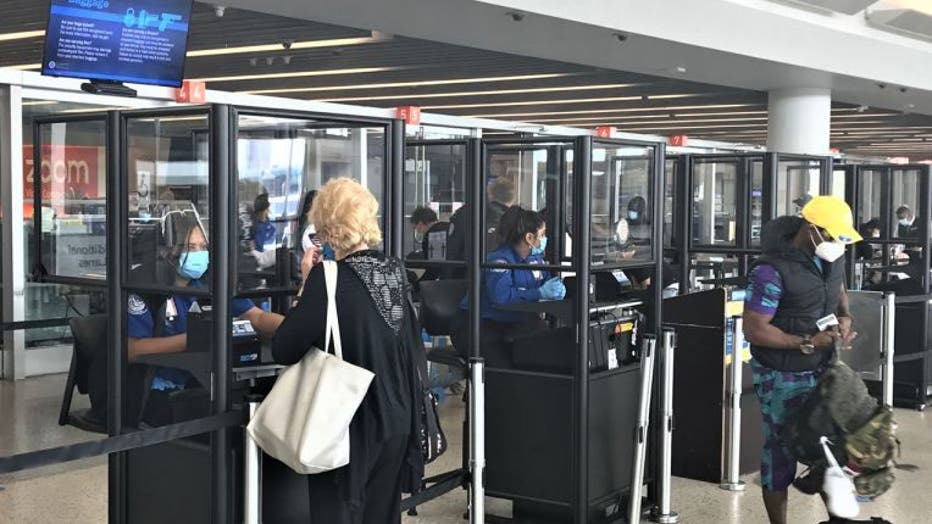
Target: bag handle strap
(332,332)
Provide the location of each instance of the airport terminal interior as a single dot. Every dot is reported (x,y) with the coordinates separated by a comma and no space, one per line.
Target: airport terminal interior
(601,210)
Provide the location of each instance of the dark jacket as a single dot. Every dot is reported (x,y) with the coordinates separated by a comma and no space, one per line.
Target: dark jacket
(375,326)
(808,295)
(441,232)
(458,238)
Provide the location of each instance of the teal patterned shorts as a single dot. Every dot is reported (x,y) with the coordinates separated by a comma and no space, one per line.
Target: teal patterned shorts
(781,395)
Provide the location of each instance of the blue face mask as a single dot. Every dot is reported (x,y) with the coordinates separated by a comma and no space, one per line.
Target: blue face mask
(540,250)
(193,264)
(329,254)
(633,215)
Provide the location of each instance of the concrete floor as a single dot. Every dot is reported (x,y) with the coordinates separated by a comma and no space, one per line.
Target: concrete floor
(77,493)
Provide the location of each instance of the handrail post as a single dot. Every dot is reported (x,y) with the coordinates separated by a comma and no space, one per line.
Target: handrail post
(477,441)
(731,472)
(888,347)
(640,444)
(252,472)
(662,512)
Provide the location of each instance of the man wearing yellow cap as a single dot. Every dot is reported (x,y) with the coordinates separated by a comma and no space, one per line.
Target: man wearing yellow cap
(795,287)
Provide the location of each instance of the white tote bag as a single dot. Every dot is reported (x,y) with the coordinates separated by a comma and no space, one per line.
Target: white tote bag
(304,421)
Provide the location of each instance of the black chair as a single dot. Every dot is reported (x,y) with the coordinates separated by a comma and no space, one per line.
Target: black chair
(440,301)
(90,344)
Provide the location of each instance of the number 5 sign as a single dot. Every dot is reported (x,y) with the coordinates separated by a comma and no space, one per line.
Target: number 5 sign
(191,92)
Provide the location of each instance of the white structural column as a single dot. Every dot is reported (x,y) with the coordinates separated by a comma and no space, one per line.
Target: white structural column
(799,121)
(11,197)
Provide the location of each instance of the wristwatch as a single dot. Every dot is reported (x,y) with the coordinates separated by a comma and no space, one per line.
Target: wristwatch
(807,347)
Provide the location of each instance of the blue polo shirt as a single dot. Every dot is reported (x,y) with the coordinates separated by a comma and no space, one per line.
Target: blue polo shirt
(140,323)
(264,234)
(501,286)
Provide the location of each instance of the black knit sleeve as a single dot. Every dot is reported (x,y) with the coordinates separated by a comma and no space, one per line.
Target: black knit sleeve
(304,326)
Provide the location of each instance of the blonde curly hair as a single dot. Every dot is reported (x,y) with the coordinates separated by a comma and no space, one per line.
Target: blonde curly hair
(345,215)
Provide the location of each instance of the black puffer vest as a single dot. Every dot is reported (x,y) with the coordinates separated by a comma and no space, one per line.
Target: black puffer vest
(808,295)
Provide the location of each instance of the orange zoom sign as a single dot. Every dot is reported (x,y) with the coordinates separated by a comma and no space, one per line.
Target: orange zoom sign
(66,172)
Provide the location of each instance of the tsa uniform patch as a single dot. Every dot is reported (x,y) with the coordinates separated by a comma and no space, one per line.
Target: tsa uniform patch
(499,269)
(137,306)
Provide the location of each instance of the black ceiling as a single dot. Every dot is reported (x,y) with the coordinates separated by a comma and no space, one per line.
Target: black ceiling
(709,111)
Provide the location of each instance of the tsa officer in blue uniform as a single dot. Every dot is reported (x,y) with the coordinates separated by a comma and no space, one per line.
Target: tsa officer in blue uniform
(263,229)
(523,236)
(160,326)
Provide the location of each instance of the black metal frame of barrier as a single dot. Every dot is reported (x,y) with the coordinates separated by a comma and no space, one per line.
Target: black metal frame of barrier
(438,485)
(38,273)
(222,157)
(222,135)
(581,264)
(855,175)
(744,249)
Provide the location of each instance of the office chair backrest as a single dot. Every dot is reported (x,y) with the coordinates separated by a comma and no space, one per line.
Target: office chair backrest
(90,342)
(91,336)
(440,302)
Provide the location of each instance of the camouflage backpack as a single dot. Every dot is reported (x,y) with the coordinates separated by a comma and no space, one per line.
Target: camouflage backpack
(841,408)
(872,450)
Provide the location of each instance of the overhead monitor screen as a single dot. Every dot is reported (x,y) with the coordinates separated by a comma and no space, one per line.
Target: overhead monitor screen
(139,41)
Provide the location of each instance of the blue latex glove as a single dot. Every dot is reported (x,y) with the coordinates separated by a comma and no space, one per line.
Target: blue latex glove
(553,289)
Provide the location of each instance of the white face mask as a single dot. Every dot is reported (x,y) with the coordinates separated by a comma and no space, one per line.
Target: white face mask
(829,251)
(906,222)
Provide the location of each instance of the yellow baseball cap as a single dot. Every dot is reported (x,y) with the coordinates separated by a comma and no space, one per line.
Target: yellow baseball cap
(834,216)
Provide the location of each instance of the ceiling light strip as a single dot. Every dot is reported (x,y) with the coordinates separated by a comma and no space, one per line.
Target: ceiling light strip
(665,109)
(21,35)
(295,46)
(23,67)
(666,121)
(662,128)
(672,117)
(565,101)
(299,74)
(417,83)
(591,87)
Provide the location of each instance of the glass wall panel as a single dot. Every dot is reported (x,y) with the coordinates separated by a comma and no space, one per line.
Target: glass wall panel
(525,176)
(73,201)
(435,187)
(797,182)
(838,183)
(669,199)
(757,200)
(706,267)
(72,177)
(622,211)
(869,199)
(715,210)
(167,172)
(905,189)
(280,163)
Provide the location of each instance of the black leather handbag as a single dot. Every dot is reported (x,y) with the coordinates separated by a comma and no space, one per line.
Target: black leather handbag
(433,441)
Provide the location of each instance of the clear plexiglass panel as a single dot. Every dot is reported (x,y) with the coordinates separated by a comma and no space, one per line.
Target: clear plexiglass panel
(669,201)
(797,182)
(904,189)
(280,164)
(73,201)
(434,190)
(167,175)
(757,200)
(715,209)
(528,176)
(622,211)
(870,196)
